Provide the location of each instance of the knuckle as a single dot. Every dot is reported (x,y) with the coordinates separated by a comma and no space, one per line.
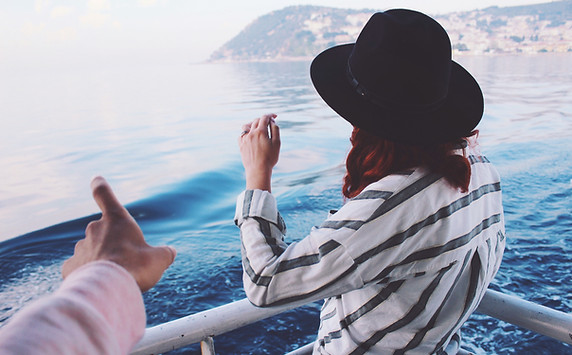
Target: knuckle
(91,226)
(78,245)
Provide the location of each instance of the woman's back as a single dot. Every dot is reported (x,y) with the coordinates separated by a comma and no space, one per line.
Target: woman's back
(426,253)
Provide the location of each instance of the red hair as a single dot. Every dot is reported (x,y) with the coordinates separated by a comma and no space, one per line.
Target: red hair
(372,158)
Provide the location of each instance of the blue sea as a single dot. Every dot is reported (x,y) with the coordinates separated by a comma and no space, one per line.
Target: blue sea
(165,137)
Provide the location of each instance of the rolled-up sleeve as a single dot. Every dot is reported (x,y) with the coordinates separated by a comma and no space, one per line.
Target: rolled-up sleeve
(275,273)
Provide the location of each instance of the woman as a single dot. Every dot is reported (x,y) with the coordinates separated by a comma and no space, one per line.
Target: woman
(408,258)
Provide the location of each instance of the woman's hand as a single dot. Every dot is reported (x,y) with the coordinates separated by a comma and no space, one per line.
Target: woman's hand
(117,237)
(260,151)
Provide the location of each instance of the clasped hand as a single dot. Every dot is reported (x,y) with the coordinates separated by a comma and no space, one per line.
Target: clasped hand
(260,148)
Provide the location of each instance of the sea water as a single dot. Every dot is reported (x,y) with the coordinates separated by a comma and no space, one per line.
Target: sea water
(165,137)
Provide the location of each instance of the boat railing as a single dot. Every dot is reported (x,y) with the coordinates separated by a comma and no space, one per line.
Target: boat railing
(202,327)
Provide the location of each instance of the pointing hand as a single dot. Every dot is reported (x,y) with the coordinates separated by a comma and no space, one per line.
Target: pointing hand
(116,237)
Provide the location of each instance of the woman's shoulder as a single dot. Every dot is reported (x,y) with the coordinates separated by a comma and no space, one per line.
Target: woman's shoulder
(389,184)
(377,193)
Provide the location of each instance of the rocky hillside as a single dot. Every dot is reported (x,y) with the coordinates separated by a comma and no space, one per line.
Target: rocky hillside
(301,32)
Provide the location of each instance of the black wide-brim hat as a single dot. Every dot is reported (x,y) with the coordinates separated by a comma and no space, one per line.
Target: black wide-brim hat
(398,81)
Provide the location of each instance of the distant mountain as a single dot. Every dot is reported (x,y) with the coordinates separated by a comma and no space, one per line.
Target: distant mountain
(293,32)
(301,32)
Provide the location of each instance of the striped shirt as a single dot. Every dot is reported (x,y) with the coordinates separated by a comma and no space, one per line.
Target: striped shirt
(401,266)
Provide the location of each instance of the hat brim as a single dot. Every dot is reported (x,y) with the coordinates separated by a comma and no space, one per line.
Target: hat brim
(457,117)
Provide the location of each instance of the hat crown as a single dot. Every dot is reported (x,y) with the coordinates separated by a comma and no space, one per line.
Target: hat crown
(398,81)
(403,59)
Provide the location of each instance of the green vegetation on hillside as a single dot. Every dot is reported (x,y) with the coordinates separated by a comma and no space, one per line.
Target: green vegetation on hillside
(301,32)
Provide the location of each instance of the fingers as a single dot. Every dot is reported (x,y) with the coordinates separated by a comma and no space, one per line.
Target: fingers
(169,254)
(255,123)
(160,260)
(247,127)
(270,116)
(264,125)
(265,120)
(259,124)
(105,198)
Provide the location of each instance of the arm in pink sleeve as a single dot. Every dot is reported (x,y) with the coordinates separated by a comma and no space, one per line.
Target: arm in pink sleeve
(97,310)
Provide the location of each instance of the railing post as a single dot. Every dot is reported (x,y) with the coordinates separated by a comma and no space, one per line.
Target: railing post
(207,346)
(196,327)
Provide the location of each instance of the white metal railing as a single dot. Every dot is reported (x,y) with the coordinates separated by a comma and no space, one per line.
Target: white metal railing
(202,327)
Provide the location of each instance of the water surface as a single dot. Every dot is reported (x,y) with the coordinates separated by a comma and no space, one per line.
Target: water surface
(165,138)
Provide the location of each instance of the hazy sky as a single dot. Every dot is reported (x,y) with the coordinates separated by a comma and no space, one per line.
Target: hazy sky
(95,32)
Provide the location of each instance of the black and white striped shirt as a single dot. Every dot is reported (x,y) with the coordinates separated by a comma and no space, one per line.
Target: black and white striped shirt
(401,266)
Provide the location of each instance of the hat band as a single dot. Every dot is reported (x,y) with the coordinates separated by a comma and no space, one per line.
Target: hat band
(380,101)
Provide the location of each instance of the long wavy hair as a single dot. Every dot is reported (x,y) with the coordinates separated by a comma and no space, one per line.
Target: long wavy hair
(372,158)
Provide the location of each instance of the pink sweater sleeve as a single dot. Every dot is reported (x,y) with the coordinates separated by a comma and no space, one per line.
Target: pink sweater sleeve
(97,310)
